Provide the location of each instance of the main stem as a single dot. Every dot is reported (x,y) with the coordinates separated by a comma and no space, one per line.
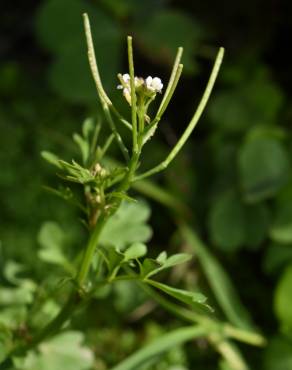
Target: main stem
(89,252)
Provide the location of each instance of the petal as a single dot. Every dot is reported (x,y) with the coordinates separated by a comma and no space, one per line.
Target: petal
(148,81)
(126,77)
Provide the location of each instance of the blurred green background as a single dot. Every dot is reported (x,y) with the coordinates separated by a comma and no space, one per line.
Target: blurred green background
(235,172)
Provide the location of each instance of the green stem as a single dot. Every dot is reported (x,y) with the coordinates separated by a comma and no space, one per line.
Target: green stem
(175,150)
(156,348)
(106,103)
(89,251)
(133,93)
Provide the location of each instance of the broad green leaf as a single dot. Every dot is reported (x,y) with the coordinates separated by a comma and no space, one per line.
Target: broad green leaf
(228,111)
(276,257)
(127,226)
(194,299)
(11,271)
(236,109)
(128,296)
(66,18)
(51,239)
(278,354)
(152,352)
(175,259)
(266,99)
(283,299)
(169,262)
(257,220)
(15,296)
(165,31)
(281,230)
(12,316)
(222,286)
(70,74)
(263,168)
(227,223)
(22,294)
(65,351)
(148,265)
(135,251)
(113,257)
(5,341)
(162,257)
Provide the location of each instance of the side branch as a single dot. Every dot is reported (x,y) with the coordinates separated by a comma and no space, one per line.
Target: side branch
(192,123)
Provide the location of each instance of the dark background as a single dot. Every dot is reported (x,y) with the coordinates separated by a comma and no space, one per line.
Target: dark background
(235,172)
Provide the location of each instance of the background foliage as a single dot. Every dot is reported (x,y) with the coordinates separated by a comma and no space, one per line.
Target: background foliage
(235,174)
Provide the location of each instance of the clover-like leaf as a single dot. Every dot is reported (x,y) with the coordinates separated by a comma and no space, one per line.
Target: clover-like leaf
(64,351)
(164,30)
(127,226)
(278,354)
(166,263)
(281,230)
(283,299)
(263,167)
(135,251)
(69,73)
(51,239)
(227,222)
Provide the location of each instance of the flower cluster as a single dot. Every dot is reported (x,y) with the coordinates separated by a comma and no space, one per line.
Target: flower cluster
(149,86)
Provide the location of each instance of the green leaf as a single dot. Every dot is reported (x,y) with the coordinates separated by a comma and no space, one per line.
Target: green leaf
(15,296)
(64,351)
(113,258)
(135,251)
(70,75)
(128,296)
(51,158)
(221,284)
(165,31)
(194,299)
(23,293)
(162,257)
(278,354)
(276,257)
(127,226)
(236,109)
(148,265)
(88,128)
(283,298)
(152,352)
(281,230)
(227,222)
(171,261)
(5,341)
(83,146)
(77,173)
(263,168)
(227,110)
(257,219)
(11,270)
(52,239)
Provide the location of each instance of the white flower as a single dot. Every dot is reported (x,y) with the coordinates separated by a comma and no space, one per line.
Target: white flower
(154,84)
(126,80)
